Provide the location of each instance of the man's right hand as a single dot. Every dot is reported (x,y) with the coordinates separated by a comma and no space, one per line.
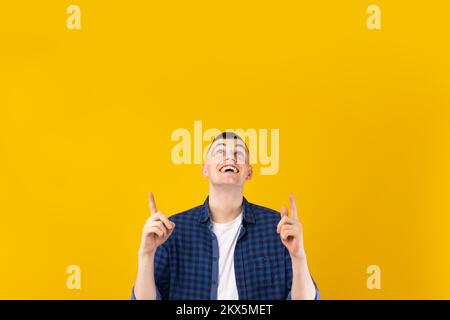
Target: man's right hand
(157,230)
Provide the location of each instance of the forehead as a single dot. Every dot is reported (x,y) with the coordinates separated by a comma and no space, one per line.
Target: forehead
(231,142)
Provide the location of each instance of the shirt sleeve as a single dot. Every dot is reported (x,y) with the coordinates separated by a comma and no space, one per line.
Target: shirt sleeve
(158,295)
(317,297)
(288,264)
(162,274)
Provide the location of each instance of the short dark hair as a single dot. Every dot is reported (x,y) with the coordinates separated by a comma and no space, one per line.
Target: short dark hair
(227,135)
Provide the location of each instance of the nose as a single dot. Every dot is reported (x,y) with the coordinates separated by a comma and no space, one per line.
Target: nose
(229,155)
(233,159)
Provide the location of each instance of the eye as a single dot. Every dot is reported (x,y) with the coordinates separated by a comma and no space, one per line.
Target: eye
(239,154)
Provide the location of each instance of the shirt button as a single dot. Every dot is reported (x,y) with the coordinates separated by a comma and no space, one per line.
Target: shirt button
(215,258)
(214,282)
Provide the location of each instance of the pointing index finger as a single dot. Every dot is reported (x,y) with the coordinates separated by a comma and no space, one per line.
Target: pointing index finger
(152,203)
(293,206)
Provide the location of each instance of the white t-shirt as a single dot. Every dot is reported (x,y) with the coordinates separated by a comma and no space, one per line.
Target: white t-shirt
(227,235)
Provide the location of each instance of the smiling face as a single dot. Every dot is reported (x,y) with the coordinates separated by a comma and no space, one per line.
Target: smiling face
(227,162)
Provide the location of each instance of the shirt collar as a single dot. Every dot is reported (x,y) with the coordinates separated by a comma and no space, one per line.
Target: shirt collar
(248,215)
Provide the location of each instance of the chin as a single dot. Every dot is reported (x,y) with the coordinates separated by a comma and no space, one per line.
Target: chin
(228,182)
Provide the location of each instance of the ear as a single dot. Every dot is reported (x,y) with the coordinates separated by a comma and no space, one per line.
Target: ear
(250,173)
(204,171)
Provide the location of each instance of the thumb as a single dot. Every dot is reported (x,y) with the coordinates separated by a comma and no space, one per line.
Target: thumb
(284,212)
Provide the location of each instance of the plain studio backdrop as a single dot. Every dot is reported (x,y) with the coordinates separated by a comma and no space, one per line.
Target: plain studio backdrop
(86,118)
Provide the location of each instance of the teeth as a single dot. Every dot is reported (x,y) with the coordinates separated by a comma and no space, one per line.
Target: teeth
(225,168)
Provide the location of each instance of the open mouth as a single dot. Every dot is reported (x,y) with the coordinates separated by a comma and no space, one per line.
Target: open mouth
(229,168)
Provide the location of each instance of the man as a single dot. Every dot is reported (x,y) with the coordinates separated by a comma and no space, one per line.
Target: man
(226,248)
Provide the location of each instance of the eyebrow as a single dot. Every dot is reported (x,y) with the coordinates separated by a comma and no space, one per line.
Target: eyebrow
(224,145)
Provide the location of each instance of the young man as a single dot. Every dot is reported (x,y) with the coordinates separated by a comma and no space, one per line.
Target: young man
(226,248)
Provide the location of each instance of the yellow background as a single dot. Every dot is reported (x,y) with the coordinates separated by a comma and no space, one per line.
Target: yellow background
(86,117)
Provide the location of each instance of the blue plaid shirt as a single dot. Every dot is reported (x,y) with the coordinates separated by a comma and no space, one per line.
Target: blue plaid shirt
(187,268)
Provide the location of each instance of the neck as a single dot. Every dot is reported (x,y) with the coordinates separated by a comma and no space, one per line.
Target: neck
(225,203)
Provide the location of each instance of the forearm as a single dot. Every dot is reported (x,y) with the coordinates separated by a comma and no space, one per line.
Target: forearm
(303,287)
(145,287)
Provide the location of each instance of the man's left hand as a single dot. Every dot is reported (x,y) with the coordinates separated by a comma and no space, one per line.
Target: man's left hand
(291,231)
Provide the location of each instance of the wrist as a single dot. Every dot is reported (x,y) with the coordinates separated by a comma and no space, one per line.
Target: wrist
(146,255)
(299,258)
